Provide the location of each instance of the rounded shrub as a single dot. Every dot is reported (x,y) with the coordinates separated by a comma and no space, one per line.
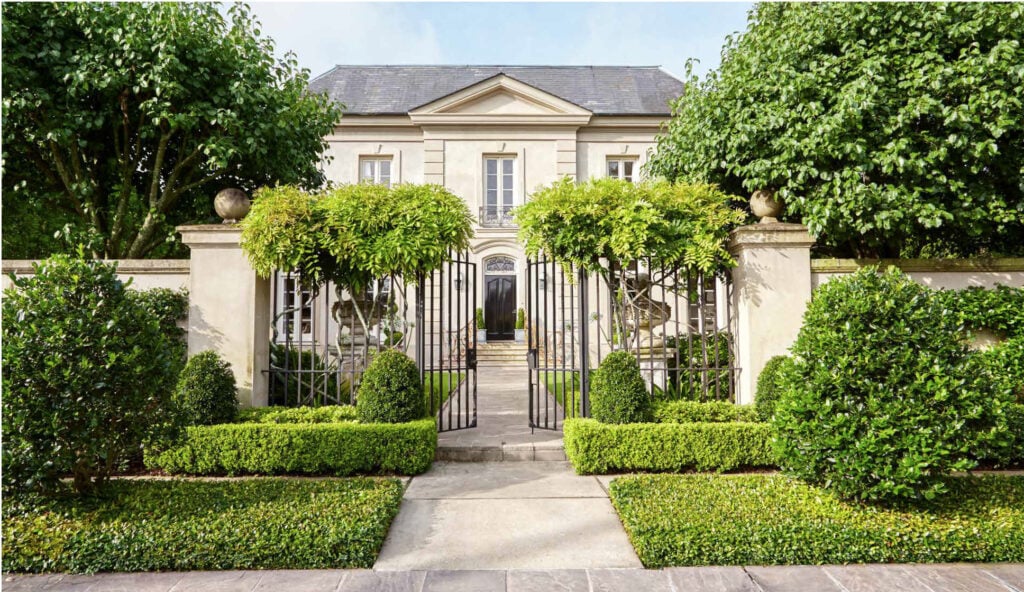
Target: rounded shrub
(391,391)
(87,376)
(769,386)
(206,393)
(883,399)
(617,391)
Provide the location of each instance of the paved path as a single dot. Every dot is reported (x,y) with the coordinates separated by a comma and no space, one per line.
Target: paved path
(503,431)
(505,515)
(853,578)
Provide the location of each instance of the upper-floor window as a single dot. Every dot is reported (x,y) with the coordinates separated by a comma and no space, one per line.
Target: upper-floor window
(499,190)
(376,170)
(621,168)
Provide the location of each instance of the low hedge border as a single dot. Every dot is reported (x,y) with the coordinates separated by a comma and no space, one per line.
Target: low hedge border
(684,520)
(295,448)
(181,525)
(703,411)
(597,448)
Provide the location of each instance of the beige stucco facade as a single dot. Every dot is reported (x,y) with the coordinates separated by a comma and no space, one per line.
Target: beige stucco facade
(447,141)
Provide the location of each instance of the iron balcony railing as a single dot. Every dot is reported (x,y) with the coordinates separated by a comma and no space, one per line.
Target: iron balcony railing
(496,217)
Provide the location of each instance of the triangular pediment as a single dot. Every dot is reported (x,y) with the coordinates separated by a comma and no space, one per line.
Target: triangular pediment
(500,99)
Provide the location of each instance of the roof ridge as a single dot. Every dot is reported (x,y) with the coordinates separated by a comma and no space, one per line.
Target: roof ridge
(553,66)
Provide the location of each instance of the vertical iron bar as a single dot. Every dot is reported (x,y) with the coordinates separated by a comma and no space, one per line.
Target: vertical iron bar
(584,349)
(530,337)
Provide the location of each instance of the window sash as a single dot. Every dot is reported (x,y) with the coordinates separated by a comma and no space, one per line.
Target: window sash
(375,170)
(622,168)
(499,181)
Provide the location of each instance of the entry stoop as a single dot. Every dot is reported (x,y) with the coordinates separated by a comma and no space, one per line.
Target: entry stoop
(501,354)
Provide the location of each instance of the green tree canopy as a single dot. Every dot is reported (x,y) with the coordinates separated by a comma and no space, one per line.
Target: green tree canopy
(122,120)
(671,224)
(352,234)
(890,129)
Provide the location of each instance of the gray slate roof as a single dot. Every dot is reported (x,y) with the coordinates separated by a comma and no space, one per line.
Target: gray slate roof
(603,90)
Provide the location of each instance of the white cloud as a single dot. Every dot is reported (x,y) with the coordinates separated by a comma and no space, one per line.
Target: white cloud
(325,34)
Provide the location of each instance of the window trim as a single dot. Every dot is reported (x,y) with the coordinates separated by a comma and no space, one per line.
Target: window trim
(377,159)
(621,159)
(296,317)
(501,188)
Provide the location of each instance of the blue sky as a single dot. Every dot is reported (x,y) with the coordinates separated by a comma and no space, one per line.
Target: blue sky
(323,34)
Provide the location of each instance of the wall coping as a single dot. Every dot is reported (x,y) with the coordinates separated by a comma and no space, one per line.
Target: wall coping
(201,236)
(135,266)
(774,235)
(953,265)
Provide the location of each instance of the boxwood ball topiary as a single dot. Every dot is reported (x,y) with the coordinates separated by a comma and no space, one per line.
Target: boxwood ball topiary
(883,399)
(206,393)
(617,391)
(391,391)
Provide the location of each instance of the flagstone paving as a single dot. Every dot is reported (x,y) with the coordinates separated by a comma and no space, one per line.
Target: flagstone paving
(829,578)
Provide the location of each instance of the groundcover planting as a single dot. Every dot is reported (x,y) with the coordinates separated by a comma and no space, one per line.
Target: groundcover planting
(676,520)
(260,523)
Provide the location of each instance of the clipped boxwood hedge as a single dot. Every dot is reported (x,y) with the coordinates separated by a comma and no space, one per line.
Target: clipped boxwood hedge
(681,520)
(709,411)
(326,414)
(301,448)
(268,523)
(595,448)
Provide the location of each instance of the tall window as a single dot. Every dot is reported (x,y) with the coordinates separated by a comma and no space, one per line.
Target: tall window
(375,170)
(500,182)
(294,314)
(621,168)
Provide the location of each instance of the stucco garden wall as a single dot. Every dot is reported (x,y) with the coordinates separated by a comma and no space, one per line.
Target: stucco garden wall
(144,274)
(953,274)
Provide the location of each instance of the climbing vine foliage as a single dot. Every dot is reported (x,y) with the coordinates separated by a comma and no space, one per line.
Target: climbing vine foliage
(671,225)
(352,234)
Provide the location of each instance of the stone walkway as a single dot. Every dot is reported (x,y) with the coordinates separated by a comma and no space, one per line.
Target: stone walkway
(505,515)
(852,578)
(503,431)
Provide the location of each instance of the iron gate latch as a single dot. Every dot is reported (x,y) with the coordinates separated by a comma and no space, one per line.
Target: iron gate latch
(471,358)
(531,358)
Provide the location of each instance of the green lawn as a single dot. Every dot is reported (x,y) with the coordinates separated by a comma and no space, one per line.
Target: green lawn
(679,520)
(438,386)
(263,523)
(562,385)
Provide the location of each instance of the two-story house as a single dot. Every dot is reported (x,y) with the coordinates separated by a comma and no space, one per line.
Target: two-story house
(492,135)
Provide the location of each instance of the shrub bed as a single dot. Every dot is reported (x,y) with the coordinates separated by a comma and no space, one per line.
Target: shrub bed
(178,525)
(711,412)
(596,448)
(301,448)
(678,520)
(326,414)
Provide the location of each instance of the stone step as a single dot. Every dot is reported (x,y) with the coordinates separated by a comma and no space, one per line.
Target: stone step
(502,453)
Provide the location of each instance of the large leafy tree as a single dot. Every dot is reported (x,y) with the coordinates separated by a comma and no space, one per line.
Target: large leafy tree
(889,129)
(122,120)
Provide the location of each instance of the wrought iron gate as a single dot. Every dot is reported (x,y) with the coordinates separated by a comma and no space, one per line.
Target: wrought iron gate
(446,342)
(674,321)
(323,341)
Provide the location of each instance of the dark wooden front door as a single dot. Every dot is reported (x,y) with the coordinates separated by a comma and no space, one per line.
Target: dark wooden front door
(500,307)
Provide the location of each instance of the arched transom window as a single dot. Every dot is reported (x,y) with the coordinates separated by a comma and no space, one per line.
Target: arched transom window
(500,265)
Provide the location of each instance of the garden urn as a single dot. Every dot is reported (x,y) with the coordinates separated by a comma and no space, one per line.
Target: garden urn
(766,206)
(231,204)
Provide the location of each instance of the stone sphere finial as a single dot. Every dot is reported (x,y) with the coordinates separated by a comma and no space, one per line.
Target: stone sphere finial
(231,204)
(766,206)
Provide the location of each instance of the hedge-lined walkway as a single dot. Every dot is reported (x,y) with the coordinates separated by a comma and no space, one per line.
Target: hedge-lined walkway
(908,578)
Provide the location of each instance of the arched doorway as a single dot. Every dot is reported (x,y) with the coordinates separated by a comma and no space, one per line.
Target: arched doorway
(500,298)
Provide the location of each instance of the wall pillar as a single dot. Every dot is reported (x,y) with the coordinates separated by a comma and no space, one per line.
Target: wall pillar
(771,289)
(229,307)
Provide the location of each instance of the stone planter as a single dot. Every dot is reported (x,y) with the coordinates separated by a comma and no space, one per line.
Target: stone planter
(520,335)
(766,206)
(481,335)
